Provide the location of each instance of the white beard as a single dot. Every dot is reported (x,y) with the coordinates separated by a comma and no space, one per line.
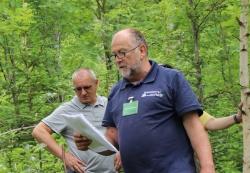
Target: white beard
(127,73)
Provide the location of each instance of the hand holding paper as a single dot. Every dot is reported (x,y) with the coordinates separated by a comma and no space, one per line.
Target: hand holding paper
(99,143)
(82,142)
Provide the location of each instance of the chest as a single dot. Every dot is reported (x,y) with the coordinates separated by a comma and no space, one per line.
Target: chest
(150,102)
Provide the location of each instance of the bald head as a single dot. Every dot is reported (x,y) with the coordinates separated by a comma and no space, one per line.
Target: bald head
(83,72)
(133,35)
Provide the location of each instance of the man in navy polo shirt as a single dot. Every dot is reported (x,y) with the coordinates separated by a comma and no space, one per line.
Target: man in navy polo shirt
(154,112)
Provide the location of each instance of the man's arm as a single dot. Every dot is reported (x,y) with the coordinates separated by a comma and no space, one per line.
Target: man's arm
(212,123)
(42,133)
(223,122)
(200,142)
(111,135)
(82,143)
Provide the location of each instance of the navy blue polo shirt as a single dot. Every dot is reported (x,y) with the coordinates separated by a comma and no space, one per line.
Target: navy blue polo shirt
(153,140)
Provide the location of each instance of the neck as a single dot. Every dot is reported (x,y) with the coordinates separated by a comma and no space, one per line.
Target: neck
(141,74)
(94,101)
(90,102)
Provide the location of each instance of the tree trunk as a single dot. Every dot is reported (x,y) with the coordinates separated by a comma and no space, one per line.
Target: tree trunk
(244,82)
(101,10)
(57,46)
(8,67)
(226,66)
(197,59)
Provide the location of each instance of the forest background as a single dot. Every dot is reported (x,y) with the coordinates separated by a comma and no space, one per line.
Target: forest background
(43,42)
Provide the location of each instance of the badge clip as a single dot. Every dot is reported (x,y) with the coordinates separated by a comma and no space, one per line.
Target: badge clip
(130,99)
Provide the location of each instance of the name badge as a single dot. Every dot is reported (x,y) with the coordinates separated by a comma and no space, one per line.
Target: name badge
(130,108)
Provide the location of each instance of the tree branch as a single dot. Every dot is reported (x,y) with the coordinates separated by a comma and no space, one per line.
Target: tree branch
(18,129)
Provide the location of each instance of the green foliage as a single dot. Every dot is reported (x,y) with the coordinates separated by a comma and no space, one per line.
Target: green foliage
(43,42)
(26,157)
(228,158)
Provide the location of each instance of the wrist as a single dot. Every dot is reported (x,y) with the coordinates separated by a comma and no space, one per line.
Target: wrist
(236,119)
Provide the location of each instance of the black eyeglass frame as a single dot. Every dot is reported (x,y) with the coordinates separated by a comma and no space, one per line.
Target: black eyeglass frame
(122,54)
(80,88)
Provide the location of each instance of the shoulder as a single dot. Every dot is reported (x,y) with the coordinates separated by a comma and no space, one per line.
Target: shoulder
(168,72)
(102,99)
(170,76)
(65,107)
(115,88)
(57,112)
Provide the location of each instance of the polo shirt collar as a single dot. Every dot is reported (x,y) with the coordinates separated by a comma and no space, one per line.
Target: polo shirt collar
(149,78)
(99,102)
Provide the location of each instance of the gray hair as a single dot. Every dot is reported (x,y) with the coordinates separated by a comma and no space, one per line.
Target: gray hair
(88,70)
(138,36)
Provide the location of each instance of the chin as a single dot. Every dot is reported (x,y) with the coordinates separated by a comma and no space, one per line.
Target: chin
(125,74)
(84,101)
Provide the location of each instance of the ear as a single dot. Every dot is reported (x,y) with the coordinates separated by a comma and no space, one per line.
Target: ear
(143,50)
(97,82)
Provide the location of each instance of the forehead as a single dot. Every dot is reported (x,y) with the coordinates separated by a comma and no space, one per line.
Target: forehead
(122,40)
(83,80)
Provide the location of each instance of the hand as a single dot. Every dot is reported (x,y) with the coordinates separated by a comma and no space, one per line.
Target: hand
(117,162)
(240,112)
(74,163)
(82,142)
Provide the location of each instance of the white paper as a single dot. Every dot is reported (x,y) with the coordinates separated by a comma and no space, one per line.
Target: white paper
(99,143)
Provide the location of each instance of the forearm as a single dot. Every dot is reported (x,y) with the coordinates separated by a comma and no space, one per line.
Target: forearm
(202,147)
(111,135)
(43,135)
(220,123)
(199,141)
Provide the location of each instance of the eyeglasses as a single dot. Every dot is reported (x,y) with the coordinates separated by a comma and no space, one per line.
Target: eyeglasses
(122,54)
(79,89)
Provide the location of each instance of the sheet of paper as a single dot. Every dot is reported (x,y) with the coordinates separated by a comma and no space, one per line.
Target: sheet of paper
(99,143)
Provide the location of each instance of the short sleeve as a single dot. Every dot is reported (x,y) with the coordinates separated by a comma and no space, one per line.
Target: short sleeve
(184,98)
(55,120)
(108,120)
(205,117)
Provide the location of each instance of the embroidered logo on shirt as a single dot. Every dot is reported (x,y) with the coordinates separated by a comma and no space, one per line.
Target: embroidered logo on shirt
(152,94)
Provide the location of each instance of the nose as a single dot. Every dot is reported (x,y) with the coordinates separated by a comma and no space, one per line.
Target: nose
(118,60)
(83,92)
